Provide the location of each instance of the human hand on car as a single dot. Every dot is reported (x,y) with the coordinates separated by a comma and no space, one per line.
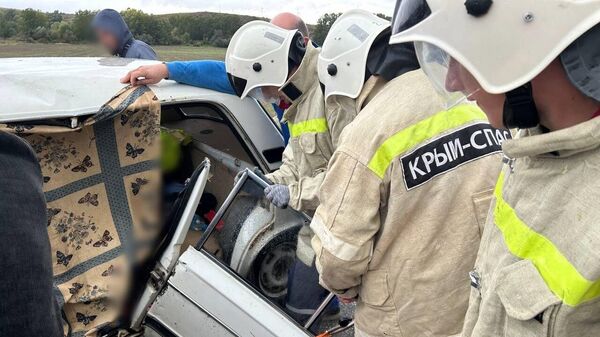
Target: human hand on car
(144,75)
(278,195)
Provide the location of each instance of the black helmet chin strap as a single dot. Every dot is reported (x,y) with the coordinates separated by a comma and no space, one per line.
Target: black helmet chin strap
(519,108)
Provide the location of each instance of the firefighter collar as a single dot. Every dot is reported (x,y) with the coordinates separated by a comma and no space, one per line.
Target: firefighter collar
(561,143)
(373,85)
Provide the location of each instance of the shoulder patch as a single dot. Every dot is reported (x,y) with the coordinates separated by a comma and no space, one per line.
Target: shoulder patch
(450,151)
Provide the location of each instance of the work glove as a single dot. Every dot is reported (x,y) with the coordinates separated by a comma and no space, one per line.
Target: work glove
(278,195)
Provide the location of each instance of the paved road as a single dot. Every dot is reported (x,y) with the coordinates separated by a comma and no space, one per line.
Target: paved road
(347,311)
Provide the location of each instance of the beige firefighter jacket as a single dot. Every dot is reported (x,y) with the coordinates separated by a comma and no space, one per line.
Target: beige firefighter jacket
(343,109)
(310,148)
(315,128)
(538,268)
(402,208)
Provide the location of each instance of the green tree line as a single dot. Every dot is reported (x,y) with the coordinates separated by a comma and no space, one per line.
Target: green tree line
(173,29)
(204,28)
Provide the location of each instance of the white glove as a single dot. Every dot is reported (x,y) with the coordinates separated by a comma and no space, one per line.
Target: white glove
(278,195)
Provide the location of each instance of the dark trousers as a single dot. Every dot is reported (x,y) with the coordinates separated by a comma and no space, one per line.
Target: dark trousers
(304,292)
(27,305)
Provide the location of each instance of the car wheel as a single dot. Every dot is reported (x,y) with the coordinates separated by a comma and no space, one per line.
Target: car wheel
(271,268)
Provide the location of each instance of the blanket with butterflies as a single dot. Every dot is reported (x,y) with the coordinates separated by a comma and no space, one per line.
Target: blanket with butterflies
(102,185)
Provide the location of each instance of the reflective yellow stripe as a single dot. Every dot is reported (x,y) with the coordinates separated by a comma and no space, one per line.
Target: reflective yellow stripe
(317,125)
(559,274)
(418,133)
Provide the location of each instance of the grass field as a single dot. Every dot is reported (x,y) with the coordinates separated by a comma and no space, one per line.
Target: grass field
(165,53)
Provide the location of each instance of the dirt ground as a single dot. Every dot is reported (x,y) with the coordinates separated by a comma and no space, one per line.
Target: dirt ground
(165,53)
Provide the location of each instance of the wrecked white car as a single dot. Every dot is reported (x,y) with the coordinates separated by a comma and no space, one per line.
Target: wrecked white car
(99,146)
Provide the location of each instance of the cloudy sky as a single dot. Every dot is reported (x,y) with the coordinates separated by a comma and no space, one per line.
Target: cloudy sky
(310,10)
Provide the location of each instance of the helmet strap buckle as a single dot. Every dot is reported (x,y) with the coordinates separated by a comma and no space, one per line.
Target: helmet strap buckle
(520,110)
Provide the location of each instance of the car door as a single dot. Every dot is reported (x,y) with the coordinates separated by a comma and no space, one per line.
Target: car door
(168,250)
(208,294)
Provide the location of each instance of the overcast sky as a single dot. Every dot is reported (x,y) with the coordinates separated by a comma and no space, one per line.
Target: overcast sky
(310,10)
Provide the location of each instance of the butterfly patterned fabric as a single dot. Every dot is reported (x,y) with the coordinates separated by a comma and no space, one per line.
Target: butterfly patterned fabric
(102,185)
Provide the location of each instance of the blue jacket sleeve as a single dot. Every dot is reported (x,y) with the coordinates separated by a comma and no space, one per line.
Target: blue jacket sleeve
(285,131)
(206,74)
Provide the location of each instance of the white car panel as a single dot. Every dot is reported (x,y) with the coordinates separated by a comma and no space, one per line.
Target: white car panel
(213,290)
(52,87)
(174,312)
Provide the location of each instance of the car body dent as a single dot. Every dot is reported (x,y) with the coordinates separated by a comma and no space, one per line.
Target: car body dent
(63,87)
(59,87)
(217,291)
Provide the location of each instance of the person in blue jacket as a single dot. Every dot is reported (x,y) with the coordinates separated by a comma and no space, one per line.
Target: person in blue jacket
(113,33)
(208,74)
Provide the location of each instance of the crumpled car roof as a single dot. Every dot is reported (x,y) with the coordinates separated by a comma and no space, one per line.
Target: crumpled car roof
(59,87)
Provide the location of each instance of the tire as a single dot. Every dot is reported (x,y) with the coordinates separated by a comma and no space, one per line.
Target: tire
(270,269)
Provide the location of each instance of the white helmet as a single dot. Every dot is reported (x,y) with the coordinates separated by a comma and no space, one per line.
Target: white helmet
(257,56)
(504,44)
(343,57)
